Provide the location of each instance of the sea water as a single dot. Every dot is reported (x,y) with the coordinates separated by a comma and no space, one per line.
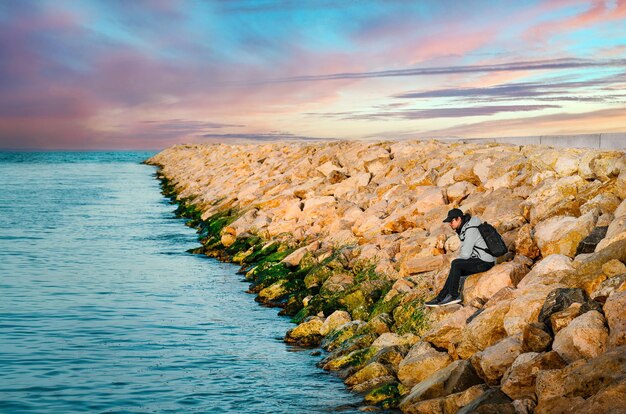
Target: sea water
(102,310)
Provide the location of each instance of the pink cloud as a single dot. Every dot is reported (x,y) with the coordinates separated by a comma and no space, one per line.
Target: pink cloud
(599,12)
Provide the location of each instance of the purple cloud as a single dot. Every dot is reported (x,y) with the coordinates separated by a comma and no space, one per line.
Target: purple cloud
(458,112)
(451,70)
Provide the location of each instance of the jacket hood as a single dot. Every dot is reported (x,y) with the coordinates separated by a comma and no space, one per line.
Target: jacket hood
(468,221)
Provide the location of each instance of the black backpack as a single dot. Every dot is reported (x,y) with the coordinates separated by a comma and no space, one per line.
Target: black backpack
(495,244)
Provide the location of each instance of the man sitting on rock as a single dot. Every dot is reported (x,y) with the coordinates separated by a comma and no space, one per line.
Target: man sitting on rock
(473,257)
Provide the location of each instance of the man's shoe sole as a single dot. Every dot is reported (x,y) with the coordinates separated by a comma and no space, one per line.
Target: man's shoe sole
(452,302)
(434,305)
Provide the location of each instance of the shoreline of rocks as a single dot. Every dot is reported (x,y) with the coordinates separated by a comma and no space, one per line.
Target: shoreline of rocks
(347,239)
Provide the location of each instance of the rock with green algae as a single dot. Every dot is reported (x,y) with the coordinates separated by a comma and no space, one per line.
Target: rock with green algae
(307,333)
(360,301)
(242,248)
(355,360)
(386,304)
(355,343)
(276,293)
(371,375)
(335,320)
(409,317)
(385,396)
(379,324)
(341,334)
(317,276)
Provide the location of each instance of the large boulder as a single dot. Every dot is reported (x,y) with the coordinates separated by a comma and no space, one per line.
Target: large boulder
(450,404)
(334,321)
(421,361)
(616,231)
(525,308)
(561,319)
(492,401)
(456,377)
(370,376)
(562,234)
(484,330)
(547,271)
(484,285)
(588,273)
(421,264)
(525,244)
(607,287)
(429,198)
(589,243)
(593,263)
(554,197)
(519,382)
(584,338)
(307,333)
(494,361)
(447,332)
(390,339)
(390,356)
(459,190)
(594,386)
(560,299)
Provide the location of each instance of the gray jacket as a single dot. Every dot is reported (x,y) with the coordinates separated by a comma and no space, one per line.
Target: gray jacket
(471,240)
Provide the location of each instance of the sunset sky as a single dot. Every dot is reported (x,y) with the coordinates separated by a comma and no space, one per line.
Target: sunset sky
(122,74)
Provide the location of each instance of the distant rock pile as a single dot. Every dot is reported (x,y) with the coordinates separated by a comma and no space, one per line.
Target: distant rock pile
(348,239)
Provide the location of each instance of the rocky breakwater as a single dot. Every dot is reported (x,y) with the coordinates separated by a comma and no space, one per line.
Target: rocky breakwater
(348,239)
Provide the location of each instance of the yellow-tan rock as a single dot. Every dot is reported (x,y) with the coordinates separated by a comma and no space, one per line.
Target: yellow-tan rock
(615,311)
(584,338)
(421,361)
(485,285)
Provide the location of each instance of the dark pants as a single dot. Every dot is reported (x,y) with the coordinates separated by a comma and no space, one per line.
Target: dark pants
(461,268)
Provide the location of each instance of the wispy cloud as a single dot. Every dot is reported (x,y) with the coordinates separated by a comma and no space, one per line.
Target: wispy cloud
(565,63)
(553,91)
(434,113)
(273,136)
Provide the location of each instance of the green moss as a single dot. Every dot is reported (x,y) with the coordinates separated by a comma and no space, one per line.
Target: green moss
(266,274)
(360,299)
(410,318)
(317,276)
(385,396)
(325,304)
(337,260)
(357,359)
(242,244)
(294,303)
(259,253)
(354,343)
(168,189)
(385,306)
(302,315)
(308,261)
(335,338)
(365,270)
(278,255)
(353,300)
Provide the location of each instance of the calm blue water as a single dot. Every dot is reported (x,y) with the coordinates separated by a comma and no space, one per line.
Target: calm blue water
(101,309)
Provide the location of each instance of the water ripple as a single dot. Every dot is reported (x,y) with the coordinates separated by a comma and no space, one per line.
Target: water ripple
(103,311)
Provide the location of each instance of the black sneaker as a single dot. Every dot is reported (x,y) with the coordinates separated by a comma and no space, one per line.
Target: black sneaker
(449,300)
(433,303)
